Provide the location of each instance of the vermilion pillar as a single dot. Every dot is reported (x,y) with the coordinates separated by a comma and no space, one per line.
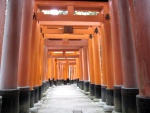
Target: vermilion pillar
(97,60)
(65,74)
(45,68)
(67,71)
(130,85)
(75,73)
(78,71)
(41,66)
(36,63)
(109,60)
(88,71)
(52,71)
(85,69)
(84,63)
(10,55)
(55,71)
(50,68)
(24,57)
(59,72)
(117,57)
(140,25)
(103,74)
(31,70)
(32,54)
(2,21)
(81,78)
(62,76)
(91,68)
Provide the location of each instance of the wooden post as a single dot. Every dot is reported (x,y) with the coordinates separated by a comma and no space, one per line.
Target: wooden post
(103,77)
(97,60)
(78,71)
(2,22)
(24,57)
(130,85)
(91,67)
(10,55)
(55,71)
(85,69)
(109,59)
(31,70)
(117,57)
(81,78)
(140,28)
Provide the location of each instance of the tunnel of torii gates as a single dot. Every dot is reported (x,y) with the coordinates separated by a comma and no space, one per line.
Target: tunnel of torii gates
(107,54)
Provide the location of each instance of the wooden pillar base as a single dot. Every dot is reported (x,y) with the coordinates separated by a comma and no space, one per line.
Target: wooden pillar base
(40,92)
(143,104)
(92,90)
(47,85)
(65,82)
(103,93)
(44,86)
(97,89)
(129,100)
(117,99)
(75,81)
(0,103)
(31,98)
(81,84)
(78,84)
(55,82)
(68,80)
(50,83)
(42,89)
(10,100)
(60,82)
(36,94)
(24,99)
(71,81)
(86,86)
(110,97)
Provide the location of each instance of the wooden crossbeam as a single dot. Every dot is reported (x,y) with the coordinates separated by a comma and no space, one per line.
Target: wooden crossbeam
(69,23)
(65,43)
(50,4)
(66,36)
(63,48)
(70,63)
(66,60)
(61,31)
(68,50)
(63,56)
(43,17)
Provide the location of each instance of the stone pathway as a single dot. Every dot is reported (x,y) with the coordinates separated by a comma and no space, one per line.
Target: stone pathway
(66,99)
